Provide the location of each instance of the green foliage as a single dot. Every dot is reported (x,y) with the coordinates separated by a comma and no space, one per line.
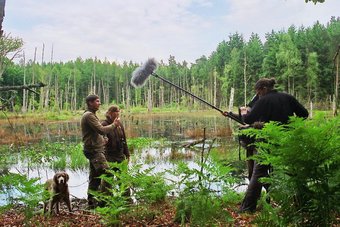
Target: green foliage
(306,178)
(140,142)
(18,189)
(146,187)
(149,187)
(199,209)
(200,190)
(269,215)
(289,60)
(58,156)
(77,157)
(115,204)
(113,198)
(59,162)
(8,45)
(312,72)
(58,115)
(7,158)
(291,56)
(36,156)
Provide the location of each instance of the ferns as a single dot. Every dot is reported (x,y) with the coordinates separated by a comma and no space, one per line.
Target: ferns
(305,157)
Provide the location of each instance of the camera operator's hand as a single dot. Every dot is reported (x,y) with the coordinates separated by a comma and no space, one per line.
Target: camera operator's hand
(244,126)
(225,113)
(106,140)
(116,122)
(244,110)
(258,124)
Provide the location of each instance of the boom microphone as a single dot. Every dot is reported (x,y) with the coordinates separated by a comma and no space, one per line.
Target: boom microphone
(142,73)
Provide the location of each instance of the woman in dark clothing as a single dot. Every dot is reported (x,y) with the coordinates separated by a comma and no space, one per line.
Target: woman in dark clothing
(271,106)
(116,147)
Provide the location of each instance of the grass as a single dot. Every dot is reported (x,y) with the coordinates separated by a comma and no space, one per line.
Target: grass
(140,142)
(60,162)
(57,156)
(71,115)
(77,158)
(41,115)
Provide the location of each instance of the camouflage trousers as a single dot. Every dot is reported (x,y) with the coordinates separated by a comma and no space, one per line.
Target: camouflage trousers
(98,166)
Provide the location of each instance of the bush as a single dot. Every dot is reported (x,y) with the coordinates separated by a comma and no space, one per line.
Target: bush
(18,189)
(305,157)
(203,192)
(146,187)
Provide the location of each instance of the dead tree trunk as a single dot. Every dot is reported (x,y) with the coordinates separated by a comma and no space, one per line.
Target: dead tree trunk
(49,79)
(22,87)
(2,14)
(336,92)
(127,97)
(24,92)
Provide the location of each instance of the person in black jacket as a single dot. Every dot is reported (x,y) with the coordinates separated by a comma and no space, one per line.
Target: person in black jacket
(116,146)
(247,142)
(271,106)
(116,149)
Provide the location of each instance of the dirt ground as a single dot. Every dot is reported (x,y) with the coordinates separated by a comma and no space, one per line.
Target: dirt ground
(159,215)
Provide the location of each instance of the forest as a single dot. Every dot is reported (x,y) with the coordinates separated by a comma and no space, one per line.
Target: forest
(185,169)
(301,59)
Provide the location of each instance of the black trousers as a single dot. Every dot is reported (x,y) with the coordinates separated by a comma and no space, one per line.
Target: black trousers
(250,163)
(254,189)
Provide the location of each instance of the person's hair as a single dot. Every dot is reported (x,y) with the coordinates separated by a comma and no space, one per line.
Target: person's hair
(110,110)
(91,98)
(265,83)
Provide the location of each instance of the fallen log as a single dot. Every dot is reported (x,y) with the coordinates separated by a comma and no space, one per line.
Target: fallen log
(22,87)
(193,143)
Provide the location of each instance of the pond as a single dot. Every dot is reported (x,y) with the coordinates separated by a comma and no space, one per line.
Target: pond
(170,133)
(172,126)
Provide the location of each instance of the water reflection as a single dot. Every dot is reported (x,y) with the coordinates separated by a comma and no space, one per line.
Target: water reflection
(77,183)
(175,129)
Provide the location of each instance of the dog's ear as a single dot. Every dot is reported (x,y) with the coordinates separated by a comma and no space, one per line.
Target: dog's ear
(55,178)
(66,177)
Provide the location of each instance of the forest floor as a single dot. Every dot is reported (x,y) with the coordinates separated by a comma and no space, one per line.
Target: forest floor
(159,215)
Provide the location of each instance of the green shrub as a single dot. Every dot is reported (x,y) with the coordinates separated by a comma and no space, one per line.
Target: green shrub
(305,157)
(149,187)
(202,193)
(18,189)
(77,157)
(200,209)
(58,156)
(123,183)
(140,142)
(59,162)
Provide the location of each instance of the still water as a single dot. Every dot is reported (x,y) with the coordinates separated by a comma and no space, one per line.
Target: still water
(175,129)
(172,126)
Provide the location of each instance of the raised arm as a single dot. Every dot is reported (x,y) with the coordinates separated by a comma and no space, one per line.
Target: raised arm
(95,124)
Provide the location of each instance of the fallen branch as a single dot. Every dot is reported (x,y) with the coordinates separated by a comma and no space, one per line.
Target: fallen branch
(23,87)
(193,143)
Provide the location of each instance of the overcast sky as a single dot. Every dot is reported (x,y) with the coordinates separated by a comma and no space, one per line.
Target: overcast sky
(138,29)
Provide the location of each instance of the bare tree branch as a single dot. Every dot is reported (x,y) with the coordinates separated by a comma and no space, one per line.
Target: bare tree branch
(22,87)
(2,14)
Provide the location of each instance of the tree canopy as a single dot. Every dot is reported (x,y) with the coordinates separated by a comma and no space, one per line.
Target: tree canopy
(300,59)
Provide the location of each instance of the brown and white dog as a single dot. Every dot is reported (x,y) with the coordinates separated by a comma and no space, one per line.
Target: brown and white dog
(58,189)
